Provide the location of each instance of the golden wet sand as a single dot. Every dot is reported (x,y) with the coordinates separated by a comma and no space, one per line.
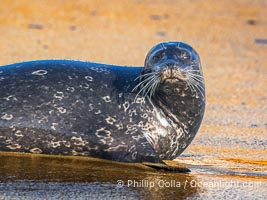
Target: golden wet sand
(231,39)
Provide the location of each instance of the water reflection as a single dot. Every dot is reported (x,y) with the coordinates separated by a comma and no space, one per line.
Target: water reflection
(72,177)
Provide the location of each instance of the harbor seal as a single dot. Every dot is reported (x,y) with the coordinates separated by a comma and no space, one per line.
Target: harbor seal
(127,114)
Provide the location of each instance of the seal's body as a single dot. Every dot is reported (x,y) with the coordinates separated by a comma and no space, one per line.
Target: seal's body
(129,114)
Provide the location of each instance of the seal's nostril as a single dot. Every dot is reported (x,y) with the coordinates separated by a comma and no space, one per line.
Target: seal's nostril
(169,64)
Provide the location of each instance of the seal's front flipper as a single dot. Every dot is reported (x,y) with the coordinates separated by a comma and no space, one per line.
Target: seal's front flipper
(166,167)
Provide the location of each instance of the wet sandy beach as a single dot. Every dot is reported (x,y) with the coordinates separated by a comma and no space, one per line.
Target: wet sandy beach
(228,157)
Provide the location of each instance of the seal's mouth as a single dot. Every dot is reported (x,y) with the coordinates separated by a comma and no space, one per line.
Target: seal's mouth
(172,80)
(173,74)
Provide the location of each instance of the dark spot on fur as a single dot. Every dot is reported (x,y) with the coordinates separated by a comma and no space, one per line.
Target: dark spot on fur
(102,133)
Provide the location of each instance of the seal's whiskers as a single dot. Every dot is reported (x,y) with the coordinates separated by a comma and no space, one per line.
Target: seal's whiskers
(143,75)
(155,86)
(190,85)
(195,81)
(200,90)
(195,75)
(142,82)
(196,78)
(197,87)
(192,70)
(152,88)
(147,86)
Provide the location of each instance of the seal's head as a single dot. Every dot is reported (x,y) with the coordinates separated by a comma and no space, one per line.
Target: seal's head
(173,65)
(172,60)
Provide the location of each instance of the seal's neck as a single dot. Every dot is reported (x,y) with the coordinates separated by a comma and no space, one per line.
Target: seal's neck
(179,103)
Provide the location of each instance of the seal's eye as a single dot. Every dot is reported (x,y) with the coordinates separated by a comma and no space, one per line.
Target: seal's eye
(155,59)
(184,55)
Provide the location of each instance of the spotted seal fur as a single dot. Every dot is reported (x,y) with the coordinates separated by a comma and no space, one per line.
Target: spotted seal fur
(129,114)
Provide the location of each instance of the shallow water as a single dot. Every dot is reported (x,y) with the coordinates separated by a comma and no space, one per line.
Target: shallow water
(41,177)
(24,176)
